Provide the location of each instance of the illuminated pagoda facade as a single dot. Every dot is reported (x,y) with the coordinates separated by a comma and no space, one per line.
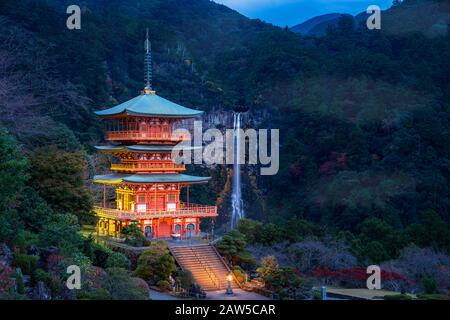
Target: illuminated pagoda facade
(147,181)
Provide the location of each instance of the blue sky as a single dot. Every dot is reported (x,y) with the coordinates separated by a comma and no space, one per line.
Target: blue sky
(292,12)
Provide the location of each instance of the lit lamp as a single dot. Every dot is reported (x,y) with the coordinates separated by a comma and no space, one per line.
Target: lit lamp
(229,289)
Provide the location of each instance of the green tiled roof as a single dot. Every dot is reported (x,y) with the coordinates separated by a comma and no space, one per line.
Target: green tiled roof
(116,178)
(145,147)
(150,105)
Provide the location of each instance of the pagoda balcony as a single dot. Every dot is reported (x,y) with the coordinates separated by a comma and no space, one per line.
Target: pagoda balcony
(140,166)
(136,135)
(186,210)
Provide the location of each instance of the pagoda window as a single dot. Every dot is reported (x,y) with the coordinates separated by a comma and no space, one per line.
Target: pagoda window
(141,198)
(143,128)
(190,230)
(171,202)
(141,207)
(157,202)
(155,130)
(148,232)
(166,131)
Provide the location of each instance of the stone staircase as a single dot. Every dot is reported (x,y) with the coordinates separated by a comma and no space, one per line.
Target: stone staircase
(209,270)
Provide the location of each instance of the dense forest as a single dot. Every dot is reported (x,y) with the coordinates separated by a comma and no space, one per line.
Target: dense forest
(364,119)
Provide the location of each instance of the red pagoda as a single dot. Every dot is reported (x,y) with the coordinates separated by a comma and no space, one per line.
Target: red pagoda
(147,181)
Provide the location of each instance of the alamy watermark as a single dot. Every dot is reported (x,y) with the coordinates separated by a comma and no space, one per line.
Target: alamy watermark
(374,280)
(214,147)
(73,22)
(374,20)
(74,280)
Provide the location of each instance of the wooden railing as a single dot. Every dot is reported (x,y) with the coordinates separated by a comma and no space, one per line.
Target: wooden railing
(140,135)
(212,276)
(226,265)
(150,166)
(184,211)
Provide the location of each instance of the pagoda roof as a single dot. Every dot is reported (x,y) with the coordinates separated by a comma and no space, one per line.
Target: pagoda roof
(116,178)
(145,147)
(150,104)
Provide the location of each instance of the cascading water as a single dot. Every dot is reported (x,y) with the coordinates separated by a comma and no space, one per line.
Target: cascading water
(236,196)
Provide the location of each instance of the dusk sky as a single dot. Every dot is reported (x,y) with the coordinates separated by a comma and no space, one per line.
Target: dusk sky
(292,12)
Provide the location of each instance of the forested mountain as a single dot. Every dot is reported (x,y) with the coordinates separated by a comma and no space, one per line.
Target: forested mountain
(317,25)
(364,115)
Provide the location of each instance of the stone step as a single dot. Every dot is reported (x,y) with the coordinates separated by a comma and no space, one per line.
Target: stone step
(206,267)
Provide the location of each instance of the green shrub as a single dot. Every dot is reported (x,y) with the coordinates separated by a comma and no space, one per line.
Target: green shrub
(27,263)
(42,275)
(100,255)
(141,285)
(163,285)
(239,273)
(121,286)
(117,260)
(429,285)
(317,295)
(185,279)
(155,264)
(48,279)
(97,294)
(433,297)
(397,297)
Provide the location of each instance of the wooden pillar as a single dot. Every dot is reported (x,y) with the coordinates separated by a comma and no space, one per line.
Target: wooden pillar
(115,228)
(183,228)
(156,202)
(197,226)
(187,195)
(107,226)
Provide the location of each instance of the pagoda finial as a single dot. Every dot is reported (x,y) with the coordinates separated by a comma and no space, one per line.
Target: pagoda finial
(148,66)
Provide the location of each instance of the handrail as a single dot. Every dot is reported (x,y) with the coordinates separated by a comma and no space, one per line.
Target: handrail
(226,265)
(136,134)
(140,166)
(207,211)
(206,268)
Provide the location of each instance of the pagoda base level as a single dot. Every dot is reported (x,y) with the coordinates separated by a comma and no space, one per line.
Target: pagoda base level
(161,228)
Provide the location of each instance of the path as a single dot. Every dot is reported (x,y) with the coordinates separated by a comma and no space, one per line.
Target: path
(239,294)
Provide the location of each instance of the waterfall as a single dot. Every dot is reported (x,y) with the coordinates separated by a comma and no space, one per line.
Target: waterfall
(236,196)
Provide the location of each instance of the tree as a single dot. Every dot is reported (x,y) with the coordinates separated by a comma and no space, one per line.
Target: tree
(250,229)
(185,279)
(57,176)
(376,252)
(269,265)
(121,285)
(117,260)
(133,234)
(62,231)
(13,175)
(432,231)
(155,264)
(35,213)
(232,245)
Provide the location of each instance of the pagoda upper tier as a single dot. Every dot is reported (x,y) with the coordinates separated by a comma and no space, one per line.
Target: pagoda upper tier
(147,118)
(149,104)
